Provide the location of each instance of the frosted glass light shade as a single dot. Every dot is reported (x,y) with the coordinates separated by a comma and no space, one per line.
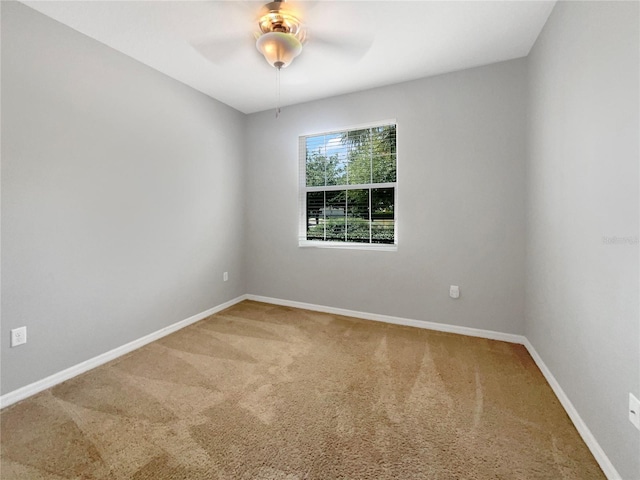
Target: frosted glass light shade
(279,49)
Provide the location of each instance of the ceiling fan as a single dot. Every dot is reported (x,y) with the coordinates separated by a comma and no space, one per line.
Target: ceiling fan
(284,28)
(281,34)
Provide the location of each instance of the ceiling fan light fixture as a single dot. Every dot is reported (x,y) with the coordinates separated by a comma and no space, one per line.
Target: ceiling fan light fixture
(280,38)
(279,49)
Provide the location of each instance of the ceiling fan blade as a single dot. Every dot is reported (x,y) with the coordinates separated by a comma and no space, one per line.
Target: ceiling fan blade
(301,8)
(231,25)
(221,50)
(352,48)
(342,28)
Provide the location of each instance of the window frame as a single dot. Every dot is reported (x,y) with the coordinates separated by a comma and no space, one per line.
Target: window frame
(303,189)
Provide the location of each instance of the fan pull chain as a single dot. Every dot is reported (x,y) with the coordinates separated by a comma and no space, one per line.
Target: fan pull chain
(278,92)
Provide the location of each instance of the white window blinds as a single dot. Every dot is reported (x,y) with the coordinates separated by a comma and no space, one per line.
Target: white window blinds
(348,187)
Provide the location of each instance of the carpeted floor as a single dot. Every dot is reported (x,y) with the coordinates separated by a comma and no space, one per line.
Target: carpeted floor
(266,392)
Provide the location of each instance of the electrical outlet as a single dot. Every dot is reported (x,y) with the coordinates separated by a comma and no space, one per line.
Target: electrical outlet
(634,410)
(454,291)
(18,336)
(225,276)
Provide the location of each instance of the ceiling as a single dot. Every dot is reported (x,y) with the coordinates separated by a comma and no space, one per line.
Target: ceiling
(351,45)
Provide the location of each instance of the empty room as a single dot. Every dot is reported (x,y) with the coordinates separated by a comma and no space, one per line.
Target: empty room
(320,240)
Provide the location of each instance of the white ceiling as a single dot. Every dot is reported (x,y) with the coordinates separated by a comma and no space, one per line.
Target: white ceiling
(351,46)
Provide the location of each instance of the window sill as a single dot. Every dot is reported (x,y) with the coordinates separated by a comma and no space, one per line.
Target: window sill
(382,247)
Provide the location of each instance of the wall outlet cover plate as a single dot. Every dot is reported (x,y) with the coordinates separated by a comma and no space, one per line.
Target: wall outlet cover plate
(18,336)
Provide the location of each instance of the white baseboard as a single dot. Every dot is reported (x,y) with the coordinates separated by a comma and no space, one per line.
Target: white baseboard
(595,448)
(52,380)
(591,442)
(440,327)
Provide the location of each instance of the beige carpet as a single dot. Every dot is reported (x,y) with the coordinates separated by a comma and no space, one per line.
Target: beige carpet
(266,392)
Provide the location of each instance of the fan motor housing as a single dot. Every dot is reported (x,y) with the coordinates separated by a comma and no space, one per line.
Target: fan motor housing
(277,19)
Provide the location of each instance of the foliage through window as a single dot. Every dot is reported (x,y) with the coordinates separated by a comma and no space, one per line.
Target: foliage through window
(348,186)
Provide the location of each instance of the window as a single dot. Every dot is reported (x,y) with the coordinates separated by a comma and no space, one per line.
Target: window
(348,188)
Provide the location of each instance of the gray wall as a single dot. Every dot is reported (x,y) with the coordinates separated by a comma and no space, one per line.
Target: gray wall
(461,163)
(125,195)
(582,286)
(122,198)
